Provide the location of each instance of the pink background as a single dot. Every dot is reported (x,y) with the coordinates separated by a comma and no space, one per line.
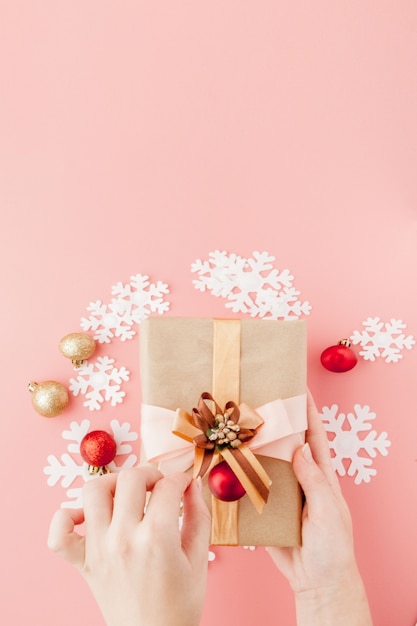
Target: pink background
(136,137)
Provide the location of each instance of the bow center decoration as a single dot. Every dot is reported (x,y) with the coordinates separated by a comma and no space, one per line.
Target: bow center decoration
(222,434)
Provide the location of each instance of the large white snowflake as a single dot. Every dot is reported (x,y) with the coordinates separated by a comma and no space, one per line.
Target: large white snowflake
(67,469)
(348,444)
(251,285)
(385,340)
(99,382)
(133,303)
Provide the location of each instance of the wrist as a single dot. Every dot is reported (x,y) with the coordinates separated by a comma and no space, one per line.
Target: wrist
(344,604)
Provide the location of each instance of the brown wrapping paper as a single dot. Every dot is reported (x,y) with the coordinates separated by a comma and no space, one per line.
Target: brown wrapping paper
(176,356)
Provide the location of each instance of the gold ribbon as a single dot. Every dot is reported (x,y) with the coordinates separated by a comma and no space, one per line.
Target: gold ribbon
(226,390)
(201,428)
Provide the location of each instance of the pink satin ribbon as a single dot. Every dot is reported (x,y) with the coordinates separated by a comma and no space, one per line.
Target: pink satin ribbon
(285,422)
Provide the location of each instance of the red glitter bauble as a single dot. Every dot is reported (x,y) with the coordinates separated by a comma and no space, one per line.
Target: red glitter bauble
(339,358)
(98,448)
(224,484)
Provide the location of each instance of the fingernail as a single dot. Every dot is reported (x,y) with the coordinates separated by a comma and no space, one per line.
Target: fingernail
(306,452)
(199,483)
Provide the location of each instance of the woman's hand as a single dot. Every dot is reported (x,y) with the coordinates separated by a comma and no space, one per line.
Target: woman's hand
(142,570)
(323,572)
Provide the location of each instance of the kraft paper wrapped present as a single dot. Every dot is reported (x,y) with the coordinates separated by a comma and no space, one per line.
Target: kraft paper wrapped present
(255,370)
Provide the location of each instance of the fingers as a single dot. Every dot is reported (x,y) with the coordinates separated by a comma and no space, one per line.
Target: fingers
(318,490)
(98,496)
(119,499)
(195,533)
(317,439)
(163,508)
(166,496)
(63,539)
(130,494)
(283,559)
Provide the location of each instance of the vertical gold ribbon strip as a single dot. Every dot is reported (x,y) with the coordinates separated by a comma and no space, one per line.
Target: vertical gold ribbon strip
(225,387)
(226,361)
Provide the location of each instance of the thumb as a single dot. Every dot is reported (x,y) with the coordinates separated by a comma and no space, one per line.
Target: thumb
(311,478)
(195,533)
(63,539)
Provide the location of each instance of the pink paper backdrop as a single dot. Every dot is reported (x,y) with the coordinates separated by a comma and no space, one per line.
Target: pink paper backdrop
(137,137)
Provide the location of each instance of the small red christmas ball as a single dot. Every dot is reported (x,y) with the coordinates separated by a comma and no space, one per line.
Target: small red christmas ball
(98,448)
(224,484)
(339,358)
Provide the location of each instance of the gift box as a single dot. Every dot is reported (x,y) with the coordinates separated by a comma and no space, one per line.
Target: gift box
(250,376)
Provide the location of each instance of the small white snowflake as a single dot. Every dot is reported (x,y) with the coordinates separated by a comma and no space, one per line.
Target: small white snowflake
(384,340)
(347,444)
(133,303)
(104,381)
(67,469)
(250,285)
(108,321)
(140,298)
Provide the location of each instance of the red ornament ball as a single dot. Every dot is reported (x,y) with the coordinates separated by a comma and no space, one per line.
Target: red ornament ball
(98,448)
(339,358)
(224,484)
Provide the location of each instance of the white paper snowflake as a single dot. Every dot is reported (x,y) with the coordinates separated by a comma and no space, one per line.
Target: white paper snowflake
(250,285)
(384,340)
(347,444)
(102,379)
(108,321)
(66,469)
(140,298)
(133,303)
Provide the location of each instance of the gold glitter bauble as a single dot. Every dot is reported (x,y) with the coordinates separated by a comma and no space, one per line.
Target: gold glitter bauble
(77,347)
(48,398)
